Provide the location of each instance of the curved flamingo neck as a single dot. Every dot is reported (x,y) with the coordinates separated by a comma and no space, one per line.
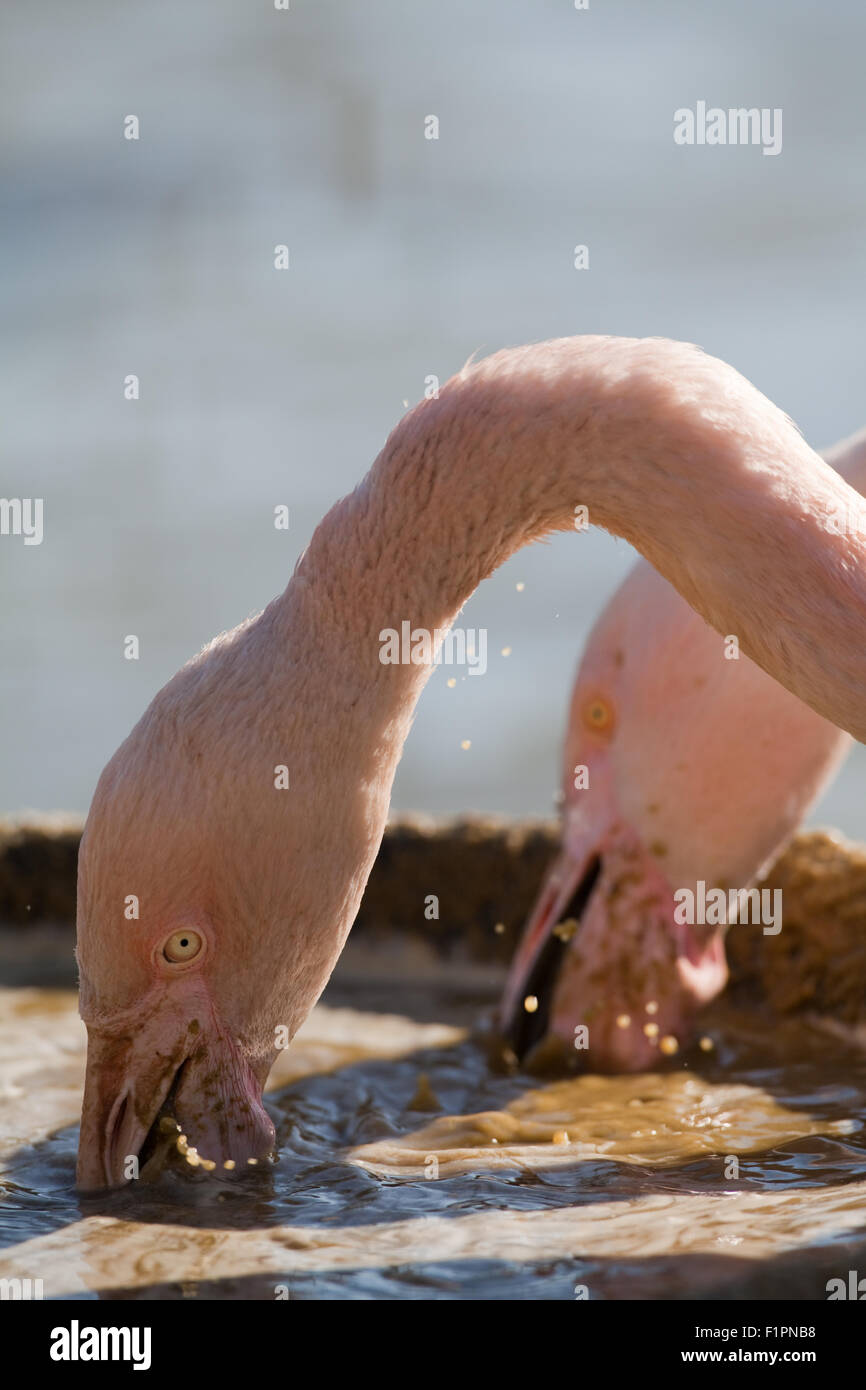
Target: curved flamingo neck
(667,447)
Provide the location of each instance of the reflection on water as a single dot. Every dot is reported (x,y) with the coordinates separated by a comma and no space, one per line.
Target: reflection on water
(656,1120)
(718,1177)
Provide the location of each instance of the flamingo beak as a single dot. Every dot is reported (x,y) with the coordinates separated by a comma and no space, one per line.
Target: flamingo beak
(148,1087)
(604,978)
(525,1008)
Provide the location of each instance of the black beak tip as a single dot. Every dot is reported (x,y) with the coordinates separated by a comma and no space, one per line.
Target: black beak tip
(528,1026)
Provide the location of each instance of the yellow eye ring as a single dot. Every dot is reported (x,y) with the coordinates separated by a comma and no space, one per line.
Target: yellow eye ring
(182,946)
(598,715)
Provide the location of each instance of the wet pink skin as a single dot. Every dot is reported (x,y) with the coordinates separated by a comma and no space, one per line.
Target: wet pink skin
(667,447)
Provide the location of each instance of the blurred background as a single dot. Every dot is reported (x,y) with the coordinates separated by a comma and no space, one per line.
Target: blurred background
(306,128)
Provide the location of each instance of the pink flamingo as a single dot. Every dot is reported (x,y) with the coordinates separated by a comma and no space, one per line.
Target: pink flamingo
(679,765)
(213,901)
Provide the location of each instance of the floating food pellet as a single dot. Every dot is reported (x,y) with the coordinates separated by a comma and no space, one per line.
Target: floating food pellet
(520,587)
(651,1030)
(561,1136)
(623,1021)
(506,651)
(168,1126)
(499,928)
(706,1044)
(467,743)
(424,1098)
(229,1163)
(652,1007)
(182,1144)
(208,1164)
(530,1003)
(669,1045)
(451,682)
(252,1162)
(192,1158)
(564,931)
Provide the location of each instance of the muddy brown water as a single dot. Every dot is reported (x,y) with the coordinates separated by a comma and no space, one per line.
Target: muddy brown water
(408,1168)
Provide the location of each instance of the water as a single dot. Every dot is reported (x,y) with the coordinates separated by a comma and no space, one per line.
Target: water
(156,258)
(611,1188)
(260,127)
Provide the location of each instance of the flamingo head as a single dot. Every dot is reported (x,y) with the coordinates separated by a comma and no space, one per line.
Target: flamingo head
(220,870)
(684,763)
(173,989)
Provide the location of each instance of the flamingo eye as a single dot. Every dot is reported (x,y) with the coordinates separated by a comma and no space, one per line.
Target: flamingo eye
(598,715)
(182,946)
